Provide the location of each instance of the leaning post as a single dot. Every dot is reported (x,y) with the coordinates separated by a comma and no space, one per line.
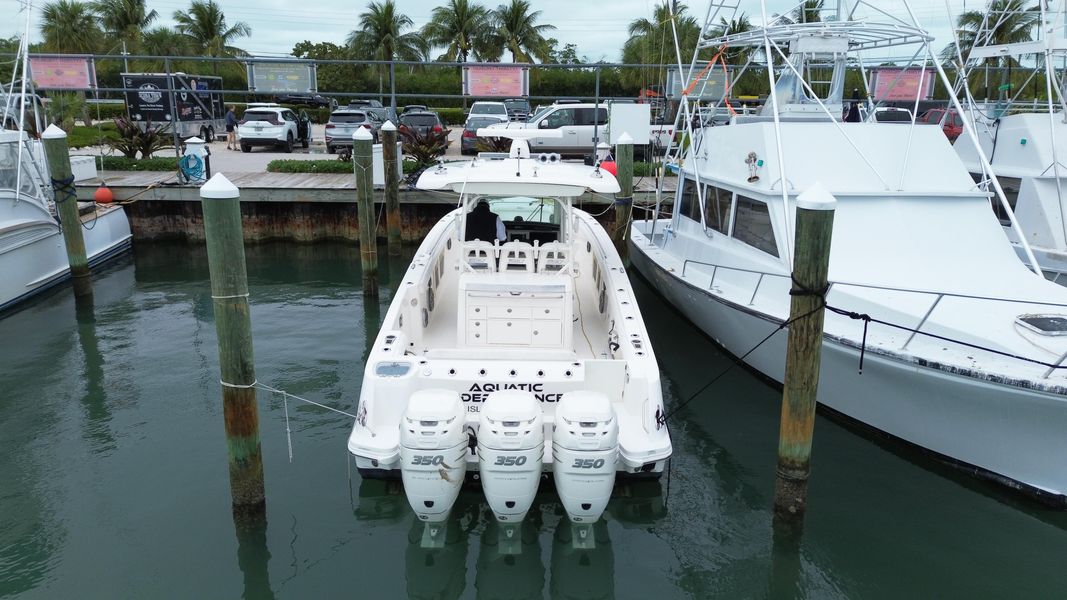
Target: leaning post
(54,140)
(363,165)
(392,187)
(624,201)
(229,292)
(811,259)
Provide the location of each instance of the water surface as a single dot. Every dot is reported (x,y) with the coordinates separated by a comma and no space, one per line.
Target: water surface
(113,477)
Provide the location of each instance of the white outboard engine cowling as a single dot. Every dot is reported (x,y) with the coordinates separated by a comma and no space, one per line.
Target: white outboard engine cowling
(433,452)
(585,449)
(511,447)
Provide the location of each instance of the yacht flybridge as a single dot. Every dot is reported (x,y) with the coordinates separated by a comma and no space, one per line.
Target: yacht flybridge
(972,367)
(513,349)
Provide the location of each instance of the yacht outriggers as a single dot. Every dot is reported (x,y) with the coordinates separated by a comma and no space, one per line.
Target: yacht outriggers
(965,354)
(513,349)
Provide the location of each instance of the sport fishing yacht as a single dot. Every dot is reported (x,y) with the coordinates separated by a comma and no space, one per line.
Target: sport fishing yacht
(965,355)
(514,349)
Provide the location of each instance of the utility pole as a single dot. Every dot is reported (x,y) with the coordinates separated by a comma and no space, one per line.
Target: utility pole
(815,223)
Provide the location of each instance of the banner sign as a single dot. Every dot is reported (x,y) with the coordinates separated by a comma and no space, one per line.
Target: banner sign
(504,80)
(62,72)
(279,78)
(710,82)
(905,87)
(149,97)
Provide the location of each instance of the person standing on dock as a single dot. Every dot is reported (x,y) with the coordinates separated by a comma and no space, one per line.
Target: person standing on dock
(231,129)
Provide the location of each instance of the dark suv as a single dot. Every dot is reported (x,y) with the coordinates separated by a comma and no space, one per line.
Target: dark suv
(422,121)
(315,100)
(518,108)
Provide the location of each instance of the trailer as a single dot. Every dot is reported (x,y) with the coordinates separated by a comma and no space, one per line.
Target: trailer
(192,104)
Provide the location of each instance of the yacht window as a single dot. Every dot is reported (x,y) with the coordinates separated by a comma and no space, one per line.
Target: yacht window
(690,201)
(717,208)
(752,225)
(1011,194)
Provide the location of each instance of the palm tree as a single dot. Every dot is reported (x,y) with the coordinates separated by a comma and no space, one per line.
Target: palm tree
(652,42)
(736,25)
(125,20)
(517,28)
(382,34)
(809,11)
(205,30)
(69,27)
(163,41)
(1006,22)
(460,27)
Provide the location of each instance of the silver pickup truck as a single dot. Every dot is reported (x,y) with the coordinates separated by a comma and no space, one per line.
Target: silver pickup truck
(577,124)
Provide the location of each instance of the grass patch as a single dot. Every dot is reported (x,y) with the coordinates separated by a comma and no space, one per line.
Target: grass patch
(121,163)
(81,137)
(320,166)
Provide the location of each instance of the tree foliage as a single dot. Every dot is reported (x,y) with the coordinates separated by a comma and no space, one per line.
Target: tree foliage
(518,32)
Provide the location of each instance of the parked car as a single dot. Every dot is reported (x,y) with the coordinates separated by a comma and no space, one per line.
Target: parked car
(272,125)
(577,123)
(314,100)
(952,125)
(384,112)
(518,108)
(415,108)
(490,109)
(344,122)
(889,114)
(421,122)
(468,141)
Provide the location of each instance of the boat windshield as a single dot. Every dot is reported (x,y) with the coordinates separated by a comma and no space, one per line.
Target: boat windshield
(527,218)
(9,169)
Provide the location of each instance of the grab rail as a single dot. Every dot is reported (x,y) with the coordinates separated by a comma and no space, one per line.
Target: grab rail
(916,330)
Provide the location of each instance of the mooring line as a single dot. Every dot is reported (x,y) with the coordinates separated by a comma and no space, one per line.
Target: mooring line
(285,403)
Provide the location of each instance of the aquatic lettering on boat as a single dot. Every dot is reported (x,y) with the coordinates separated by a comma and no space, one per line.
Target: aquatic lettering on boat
(480,392)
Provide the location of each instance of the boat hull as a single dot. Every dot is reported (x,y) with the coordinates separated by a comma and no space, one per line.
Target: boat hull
(33,257)
(1001,431)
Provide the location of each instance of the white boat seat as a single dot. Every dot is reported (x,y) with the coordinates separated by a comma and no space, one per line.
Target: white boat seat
(517,256)
(553,257)
(480,256)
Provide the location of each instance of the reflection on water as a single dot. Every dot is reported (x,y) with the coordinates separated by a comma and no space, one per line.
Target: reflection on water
(253,556)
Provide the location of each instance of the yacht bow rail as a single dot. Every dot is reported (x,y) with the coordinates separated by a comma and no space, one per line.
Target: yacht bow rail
(862,35)
(917,330)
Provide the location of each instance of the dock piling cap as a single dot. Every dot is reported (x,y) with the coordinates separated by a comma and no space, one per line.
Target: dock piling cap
(388,126)
(219,188)
(816,198)
(362,134)
(624,139)
(53,133)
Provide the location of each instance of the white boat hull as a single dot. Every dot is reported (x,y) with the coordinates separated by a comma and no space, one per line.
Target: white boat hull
(1006,432)
(33,257)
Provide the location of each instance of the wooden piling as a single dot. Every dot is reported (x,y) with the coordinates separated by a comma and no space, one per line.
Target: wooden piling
(392,187)
(624,201)
(363,166)
(54,140)
(814,226)
(233,324)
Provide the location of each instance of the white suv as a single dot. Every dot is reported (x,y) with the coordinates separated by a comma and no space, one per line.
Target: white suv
(490,109)
(272,125)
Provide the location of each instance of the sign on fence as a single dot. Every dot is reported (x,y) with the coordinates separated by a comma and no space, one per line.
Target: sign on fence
(496,80)
(279,78)
(905,87)
(62,72)
(709,82)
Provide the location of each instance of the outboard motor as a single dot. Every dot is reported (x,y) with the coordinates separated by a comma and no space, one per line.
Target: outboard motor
(511,446)
(585,448)
(433,452)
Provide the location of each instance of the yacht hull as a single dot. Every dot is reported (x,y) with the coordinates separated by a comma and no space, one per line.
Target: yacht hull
(33,257)
(997,430)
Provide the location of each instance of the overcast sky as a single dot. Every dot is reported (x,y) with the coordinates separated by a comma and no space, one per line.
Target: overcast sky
(597,28)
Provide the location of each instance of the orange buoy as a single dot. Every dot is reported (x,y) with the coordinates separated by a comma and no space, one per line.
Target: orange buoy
(610,167)
(103,195)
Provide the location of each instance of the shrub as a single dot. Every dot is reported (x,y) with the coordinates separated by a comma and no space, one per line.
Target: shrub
(99,135)
(321,166)
(100,111)
(63,108)
(493,144)
(424,148)
(451,116)
(131,139)
(121,163)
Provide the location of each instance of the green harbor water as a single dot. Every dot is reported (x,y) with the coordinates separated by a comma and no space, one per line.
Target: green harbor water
(113,476)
